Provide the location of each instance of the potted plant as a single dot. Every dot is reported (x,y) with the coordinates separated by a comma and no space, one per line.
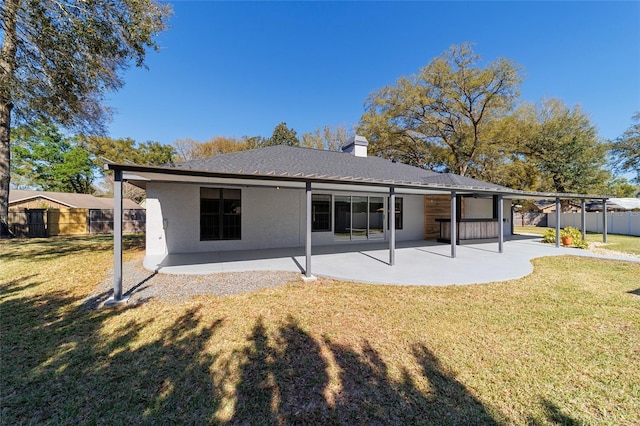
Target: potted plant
(566,237)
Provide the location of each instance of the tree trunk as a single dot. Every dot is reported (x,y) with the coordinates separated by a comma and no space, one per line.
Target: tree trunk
(7,70)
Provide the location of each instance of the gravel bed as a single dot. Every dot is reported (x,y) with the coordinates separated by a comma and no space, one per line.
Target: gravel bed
(141,285)
(598,248)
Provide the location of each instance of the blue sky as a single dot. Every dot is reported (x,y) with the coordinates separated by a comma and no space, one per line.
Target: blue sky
(240,68)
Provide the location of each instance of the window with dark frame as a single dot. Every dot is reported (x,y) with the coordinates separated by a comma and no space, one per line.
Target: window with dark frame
(220,214)
(399,217)
(320,212)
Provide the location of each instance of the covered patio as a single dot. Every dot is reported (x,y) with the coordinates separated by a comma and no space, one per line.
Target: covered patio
(390,261)
(416,262)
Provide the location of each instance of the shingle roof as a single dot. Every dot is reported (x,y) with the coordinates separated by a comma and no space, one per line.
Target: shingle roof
(282,160)
(624,203)
(86,201)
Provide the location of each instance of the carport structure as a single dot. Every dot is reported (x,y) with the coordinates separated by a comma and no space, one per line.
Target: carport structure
(370,175)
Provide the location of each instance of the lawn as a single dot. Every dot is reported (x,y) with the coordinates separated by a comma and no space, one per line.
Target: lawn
(623,243)
(561,346)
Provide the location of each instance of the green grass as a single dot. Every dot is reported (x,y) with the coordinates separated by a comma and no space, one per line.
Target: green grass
(551,348)
(621,243)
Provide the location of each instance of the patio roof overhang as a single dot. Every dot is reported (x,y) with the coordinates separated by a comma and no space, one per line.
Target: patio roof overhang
(140,175)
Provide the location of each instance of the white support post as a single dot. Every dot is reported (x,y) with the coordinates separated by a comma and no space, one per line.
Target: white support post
(500,223)
(117,241)
(307,246)
(557,222)
(454,224)
(392,226)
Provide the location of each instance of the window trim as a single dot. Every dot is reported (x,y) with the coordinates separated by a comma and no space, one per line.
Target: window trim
(329,213)
(399,213)
(221,214)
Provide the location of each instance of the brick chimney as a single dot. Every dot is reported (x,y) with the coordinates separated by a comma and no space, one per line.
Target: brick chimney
(356,145)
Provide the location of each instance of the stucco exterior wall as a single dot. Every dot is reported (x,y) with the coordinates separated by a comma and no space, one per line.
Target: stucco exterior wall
(270,218)
(478,208)
(413,228)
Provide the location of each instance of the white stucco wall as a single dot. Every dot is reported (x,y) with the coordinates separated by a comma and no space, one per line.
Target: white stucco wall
(478,208)
(413,218)
(270,218)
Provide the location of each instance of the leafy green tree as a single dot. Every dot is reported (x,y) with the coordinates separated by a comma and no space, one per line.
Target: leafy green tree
(620,187)
(440,117)
(59,58)
(563,145)
(154,153)
(127,150)
(625,150)
(44,159)
(328,138)
(255,142)
(282,135)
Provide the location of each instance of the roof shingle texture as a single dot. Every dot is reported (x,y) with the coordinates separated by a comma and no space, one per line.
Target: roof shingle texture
(296,161)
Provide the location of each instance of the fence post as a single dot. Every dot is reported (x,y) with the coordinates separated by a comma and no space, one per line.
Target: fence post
(583,217)
(604,220)
(557,222)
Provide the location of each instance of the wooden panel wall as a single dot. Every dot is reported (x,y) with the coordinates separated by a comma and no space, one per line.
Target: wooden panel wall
(436,207)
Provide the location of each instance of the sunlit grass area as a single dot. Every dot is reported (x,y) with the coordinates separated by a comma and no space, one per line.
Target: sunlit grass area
(623,243)
(560,346)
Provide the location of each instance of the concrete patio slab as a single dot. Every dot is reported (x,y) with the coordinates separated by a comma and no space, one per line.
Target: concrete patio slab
(416,262)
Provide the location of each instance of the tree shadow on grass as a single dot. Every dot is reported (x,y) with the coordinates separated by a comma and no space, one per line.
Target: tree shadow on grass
(285,380)
(555,416)
(64,364)
(58,247)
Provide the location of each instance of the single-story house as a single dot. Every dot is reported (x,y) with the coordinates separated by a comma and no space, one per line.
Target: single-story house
(623,204)
(283,196)
(28,199)
(47,213)
(549,206)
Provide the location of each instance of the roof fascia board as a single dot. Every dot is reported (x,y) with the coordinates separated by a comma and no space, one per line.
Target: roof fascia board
(138,169)
(35,198)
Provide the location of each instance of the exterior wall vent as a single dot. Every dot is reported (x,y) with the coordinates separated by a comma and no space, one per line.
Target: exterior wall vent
(356,145)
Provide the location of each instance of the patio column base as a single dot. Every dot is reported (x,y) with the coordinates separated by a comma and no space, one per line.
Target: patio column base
(112,303)
(307,279)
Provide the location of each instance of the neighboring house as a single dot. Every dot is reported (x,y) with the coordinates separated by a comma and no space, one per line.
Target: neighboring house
(258,199)
(616,204)
(26,199)
(43,213)
(623,204)
(549,206)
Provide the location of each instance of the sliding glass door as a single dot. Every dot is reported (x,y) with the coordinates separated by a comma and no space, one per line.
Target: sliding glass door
(358,217)
(376,218)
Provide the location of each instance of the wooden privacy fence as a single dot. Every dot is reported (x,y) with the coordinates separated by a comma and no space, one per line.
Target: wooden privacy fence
(50,222)
(529,219)
(30,223)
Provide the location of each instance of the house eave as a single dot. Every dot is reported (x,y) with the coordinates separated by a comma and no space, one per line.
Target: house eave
(140,175)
